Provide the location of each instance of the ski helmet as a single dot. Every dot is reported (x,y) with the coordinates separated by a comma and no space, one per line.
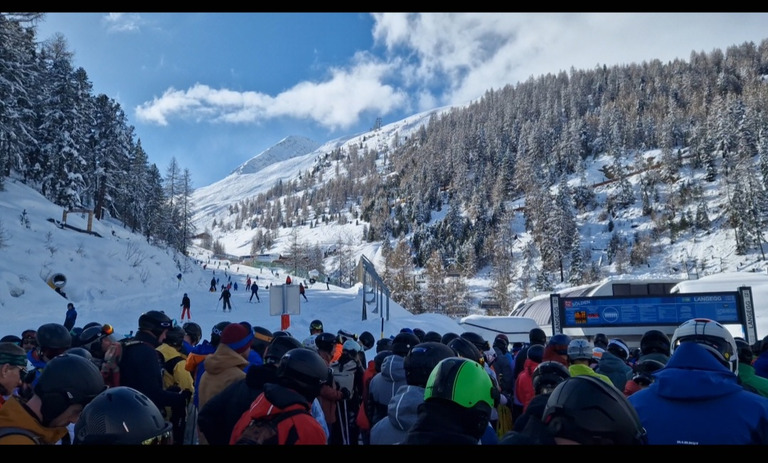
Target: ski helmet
(175,337)
(194,331)
(155,321)
(403,343)
(712,336)
(547,375)
(588,410)
(654,341)
(315,326)
(465,349)
(54,336)
(216,332)
(744,351)
(476,339)
(601,340)
(122,416)
(579,349)
(383,344)
(448,337)
(81,351)
(66,380)
(537,336)
(325,342)
(461,381)
(278,347)
(422,359)
(644,369)
(89,335)
(419,334)
(351,346)
(501,341)
(619,348)
(433,336)
(304,371)
(261,339)
(367,340)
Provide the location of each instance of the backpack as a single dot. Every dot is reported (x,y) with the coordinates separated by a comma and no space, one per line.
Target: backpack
(11,430)
(263,431)
(110,368)
(344,375)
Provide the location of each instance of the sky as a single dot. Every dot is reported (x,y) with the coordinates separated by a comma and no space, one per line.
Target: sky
(213,90)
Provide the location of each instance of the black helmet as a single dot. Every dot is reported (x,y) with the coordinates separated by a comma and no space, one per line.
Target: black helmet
(261,339)
(588,410)
(403,343)
(601,341)
(194,331)
(644,369)
(325,342)
(315,326)
(537,336)
(654,341)
(216,332)
(81,351)
(278,347)
(432,336)
(535,352)
(304,371)
(384,344)
(419,333)
(476,339)
(281,333)
(379,359)
(501,341)
(465,349)
(122,416)
(54,336)
(175,336)
(75,333)
(89,335)
(66,380)
(422,359)
(548,375)
(155,321)
(448,337)
(366,340)
(744,351)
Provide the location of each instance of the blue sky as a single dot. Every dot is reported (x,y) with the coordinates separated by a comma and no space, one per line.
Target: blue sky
(215,89)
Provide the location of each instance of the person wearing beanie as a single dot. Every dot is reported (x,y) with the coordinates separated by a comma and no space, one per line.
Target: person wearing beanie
(385,384)
(13,368)
(226,365)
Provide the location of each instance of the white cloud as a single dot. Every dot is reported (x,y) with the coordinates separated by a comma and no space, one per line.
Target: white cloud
(122,22)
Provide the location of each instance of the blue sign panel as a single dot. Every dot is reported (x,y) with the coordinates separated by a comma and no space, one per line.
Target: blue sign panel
(579,312)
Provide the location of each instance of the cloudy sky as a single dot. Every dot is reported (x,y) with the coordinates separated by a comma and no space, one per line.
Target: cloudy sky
(215,89)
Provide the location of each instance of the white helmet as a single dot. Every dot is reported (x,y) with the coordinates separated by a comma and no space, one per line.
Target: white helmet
(579,349)
(712,336)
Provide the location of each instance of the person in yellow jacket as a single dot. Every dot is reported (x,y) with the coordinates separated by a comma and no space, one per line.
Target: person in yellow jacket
(580,357)
(176,378)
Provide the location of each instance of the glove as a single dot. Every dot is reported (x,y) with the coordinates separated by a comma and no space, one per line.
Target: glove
(345,394)
(187,394)
(173,389)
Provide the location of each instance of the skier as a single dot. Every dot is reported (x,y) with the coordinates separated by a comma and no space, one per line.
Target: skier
(254,292)
(301,291)
(185,307)
(225,294)
(213,285)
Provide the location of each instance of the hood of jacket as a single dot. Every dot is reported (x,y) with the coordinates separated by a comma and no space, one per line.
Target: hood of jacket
(392,369)
(223,359)
(693,373)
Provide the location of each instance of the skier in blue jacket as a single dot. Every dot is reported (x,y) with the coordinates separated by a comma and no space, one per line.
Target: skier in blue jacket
(696,399)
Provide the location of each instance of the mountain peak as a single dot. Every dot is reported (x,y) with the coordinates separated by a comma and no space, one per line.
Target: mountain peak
(287,148)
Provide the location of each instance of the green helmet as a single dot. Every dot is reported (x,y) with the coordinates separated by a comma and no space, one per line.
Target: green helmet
(462,381)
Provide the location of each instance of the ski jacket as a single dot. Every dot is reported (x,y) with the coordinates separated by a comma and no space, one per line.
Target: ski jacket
(695,400)
(578,369)
(14,414)
(194,365)
(384,386)
(222,368)
(761,364)
(748,377)
(440,422)
(614,368)
(402,413)
(218,417)
(524,391)
(299,429)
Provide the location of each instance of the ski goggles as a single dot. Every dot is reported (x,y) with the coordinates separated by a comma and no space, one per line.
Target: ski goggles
(165,438)
(107,329)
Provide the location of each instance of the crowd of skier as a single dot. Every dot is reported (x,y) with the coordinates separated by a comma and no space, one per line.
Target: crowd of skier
(244,384)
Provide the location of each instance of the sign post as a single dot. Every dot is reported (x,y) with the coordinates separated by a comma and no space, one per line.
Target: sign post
(284,301)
